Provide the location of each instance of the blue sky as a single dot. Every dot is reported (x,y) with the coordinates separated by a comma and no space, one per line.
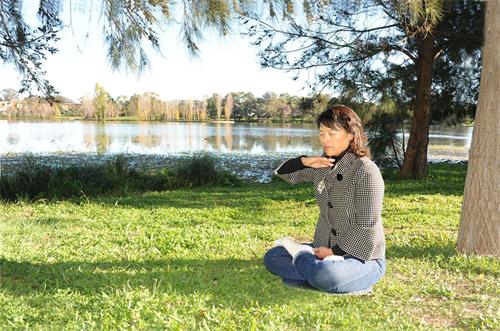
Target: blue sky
(225,65)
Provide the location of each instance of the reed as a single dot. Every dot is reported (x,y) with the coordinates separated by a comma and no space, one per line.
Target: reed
(33,180)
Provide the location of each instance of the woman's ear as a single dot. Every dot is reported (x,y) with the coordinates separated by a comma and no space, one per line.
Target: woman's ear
(350,136)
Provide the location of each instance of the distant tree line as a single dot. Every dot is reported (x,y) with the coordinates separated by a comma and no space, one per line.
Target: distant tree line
(235,106)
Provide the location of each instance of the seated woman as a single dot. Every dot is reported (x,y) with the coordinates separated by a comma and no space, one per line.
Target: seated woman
(348,251)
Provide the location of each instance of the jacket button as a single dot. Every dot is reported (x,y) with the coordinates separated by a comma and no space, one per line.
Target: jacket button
(339,177)
(330,204)
(334,232)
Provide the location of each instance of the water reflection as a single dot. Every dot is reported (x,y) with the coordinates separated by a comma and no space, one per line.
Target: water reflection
(12,138)
(176,137)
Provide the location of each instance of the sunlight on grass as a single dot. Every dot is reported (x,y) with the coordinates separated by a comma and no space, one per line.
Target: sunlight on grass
(192,259)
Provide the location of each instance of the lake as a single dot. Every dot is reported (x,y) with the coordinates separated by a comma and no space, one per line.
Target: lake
(450,143)
(243,143)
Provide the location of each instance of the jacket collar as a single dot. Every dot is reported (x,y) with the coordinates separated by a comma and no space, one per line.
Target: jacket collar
(344,163)
(336,159)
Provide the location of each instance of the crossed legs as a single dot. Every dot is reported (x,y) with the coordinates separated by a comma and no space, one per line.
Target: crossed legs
(343,276)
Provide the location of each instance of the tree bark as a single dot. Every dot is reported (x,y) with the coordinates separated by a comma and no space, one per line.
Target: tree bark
(415,158)
(479,231)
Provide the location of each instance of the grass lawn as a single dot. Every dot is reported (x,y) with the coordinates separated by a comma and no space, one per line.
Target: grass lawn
(192,259)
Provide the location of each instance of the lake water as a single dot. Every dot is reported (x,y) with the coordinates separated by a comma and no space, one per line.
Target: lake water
(233,142)
(177,137)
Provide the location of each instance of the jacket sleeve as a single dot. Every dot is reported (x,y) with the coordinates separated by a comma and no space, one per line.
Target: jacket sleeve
(294,172)
(369,196)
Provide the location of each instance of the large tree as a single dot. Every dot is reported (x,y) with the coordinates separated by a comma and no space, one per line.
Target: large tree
(480,224)
(357,46)
(214,106)
(101,97)
(228,106)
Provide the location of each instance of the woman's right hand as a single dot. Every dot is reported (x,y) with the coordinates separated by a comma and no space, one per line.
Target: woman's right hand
(316,162)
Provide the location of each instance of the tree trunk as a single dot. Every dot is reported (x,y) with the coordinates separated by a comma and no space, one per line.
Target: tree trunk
(479,231)
(415,159)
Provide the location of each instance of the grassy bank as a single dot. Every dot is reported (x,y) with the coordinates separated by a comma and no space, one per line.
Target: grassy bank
(192,259)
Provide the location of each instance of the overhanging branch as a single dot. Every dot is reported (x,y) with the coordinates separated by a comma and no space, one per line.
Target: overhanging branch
(404,51)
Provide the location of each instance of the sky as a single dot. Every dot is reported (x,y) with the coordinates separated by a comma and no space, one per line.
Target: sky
(225,65)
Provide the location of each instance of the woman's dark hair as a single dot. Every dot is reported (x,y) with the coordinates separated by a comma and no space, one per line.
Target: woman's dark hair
(340,116)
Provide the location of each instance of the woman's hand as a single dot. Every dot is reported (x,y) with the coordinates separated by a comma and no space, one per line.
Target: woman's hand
(316,162)
(322,252)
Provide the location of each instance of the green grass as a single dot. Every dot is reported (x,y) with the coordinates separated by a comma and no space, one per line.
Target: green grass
(192,259)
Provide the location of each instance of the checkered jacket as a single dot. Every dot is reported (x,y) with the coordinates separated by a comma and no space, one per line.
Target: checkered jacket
(350,199)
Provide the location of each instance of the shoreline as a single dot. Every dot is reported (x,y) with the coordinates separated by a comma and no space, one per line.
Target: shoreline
(466,124)
(249,167)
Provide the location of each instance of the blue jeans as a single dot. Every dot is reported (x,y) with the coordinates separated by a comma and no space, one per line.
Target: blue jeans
(344,276)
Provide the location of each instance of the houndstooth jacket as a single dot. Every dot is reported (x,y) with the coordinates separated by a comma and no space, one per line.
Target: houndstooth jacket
(350,199)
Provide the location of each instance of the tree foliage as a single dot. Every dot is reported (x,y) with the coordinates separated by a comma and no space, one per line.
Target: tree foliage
(128,27)
(228,106)
(376,49)
(365,48)
(27,46)
(9,94)
(150,107)
(101,97)
(214,106)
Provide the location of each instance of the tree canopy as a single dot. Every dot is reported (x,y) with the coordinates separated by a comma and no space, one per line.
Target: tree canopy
(421,54)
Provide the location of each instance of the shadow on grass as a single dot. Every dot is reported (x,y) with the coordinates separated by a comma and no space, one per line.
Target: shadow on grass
(251,197)
(412,252)
(442,178)
(446,257)
(234,282)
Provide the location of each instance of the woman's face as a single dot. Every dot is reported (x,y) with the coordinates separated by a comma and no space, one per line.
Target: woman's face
(334,141)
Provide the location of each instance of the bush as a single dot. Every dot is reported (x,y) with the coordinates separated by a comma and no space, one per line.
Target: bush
(33,180)
(202,169)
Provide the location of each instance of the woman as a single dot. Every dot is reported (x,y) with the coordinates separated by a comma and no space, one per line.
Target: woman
(348,251)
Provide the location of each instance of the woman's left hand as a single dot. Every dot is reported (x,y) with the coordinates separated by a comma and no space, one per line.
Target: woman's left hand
(322,252)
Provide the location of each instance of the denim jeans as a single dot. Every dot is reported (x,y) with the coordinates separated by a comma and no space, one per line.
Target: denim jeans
(341,276)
